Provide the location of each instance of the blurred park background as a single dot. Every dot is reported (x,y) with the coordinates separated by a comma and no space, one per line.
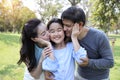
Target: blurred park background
(101,14)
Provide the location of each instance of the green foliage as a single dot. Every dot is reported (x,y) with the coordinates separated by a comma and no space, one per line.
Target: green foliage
(105,13)
(13,15)
(49,9)
(74,2)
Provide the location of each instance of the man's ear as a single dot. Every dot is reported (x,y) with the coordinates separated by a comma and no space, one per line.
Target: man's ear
(81,24)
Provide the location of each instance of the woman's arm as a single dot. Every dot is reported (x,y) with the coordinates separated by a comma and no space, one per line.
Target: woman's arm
(47,52)
(36,72)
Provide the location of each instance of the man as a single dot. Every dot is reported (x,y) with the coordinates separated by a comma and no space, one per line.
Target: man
(100,57)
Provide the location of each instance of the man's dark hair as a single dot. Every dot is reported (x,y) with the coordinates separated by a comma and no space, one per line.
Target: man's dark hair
(74,14)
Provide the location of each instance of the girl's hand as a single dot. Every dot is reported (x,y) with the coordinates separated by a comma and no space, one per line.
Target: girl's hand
(75,31)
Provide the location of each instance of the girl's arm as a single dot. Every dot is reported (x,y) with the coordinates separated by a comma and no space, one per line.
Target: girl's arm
(79,52)
(75,33)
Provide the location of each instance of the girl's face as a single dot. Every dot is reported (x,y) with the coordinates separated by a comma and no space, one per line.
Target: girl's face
(56,33)
(42,32)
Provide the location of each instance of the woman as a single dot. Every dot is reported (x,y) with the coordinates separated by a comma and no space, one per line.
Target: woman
(30,53)
(62,65)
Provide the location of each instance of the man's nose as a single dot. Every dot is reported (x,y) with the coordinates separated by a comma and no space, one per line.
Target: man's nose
(65,28)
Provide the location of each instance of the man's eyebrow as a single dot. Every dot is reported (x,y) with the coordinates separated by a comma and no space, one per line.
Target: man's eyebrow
(66,24)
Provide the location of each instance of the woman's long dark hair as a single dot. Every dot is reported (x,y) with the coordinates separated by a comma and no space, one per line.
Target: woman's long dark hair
(27,51)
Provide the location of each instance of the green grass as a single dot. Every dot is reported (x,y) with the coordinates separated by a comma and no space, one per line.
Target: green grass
(115,71)
(9,55)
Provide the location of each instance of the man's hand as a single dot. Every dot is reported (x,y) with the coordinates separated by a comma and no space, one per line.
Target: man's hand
(85,62)
(48,75)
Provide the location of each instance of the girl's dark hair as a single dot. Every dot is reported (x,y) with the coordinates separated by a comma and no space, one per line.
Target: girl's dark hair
(27,51)
(74,14)
(54,20)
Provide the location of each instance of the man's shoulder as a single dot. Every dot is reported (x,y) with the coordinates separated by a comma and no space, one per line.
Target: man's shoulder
(98,35)
(96,31)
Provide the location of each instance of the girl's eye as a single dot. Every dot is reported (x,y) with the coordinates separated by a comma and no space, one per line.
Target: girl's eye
(51,31)
(59,30)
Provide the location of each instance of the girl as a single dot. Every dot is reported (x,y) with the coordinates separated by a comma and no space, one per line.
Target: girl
(63,64)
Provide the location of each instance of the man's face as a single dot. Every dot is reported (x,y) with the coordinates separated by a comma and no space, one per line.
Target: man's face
(68,25)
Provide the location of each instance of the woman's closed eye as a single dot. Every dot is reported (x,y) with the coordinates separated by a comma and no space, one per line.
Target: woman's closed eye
(43,33)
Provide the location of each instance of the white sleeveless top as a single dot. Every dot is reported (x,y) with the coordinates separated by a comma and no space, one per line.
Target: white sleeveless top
(27,76)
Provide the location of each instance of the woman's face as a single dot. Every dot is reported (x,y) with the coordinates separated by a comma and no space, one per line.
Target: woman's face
(56,33)
(42,32)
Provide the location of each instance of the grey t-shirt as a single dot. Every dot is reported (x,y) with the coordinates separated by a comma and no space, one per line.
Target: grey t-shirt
(99,53)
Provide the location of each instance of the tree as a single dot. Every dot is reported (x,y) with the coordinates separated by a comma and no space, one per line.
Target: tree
(24,15)
(13,15)
(74,2)
(3,16)
(48,9)
(105,13)
(117,25)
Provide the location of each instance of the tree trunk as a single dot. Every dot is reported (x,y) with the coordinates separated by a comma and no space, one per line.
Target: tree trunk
(74,2)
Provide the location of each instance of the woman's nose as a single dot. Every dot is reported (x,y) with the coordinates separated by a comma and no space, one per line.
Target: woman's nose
(48,33)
